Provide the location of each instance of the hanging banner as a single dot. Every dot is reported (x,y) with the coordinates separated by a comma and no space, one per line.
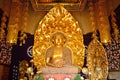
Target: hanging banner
(20,53)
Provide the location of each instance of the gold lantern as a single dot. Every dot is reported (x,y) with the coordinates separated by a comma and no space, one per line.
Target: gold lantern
(103,22)
(92,16)
(12,35)
(17,22)
(3,26)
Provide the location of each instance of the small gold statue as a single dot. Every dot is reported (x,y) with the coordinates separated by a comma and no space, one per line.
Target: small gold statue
(58,55)
(22,70)
(97,61)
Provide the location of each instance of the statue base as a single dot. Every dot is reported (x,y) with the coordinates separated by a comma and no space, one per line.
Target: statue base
(53,73)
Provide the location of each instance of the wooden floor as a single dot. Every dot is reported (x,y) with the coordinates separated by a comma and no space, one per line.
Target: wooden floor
(4,72)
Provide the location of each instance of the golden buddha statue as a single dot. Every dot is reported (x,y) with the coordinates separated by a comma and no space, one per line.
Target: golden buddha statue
(58,41)
(58,55)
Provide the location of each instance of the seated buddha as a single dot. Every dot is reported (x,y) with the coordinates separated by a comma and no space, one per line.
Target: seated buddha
(58,55)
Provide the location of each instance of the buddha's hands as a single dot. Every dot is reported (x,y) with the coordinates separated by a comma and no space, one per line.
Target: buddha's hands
(57,62)
(60,63)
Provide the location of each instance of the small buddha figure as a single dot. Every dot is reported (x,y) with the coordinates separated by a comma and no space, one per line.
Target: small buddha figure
(58,55)
(97,65)
(22,70)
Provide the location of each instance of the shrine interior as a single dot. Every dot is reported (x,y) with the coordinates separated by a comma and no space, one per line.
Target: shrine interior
(59,39)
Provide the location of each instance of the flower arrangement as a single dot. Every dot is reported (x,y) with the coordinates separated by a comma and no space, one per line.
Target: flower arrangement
(5,52)
(113,53)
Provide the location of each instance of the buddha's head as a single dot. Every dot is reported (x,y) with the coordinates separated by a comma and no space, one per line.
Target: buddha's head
(58,39)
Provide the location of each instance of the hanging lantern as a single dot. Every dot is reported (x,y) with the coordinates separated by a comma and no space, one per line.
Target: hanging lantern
(92,16)
(3,26)
(2,33)
(24,22)
(12,35)
(103,22)
(114,25)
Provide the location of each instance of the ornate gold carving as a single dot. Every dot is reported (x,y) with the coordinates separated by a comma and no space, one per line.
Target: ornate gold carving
(97,60)
(45,5)
(58,19)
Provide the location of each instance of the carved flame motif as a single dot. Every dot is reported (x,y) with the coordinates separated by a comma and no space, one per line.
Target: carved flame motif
(58,19)
(97,60)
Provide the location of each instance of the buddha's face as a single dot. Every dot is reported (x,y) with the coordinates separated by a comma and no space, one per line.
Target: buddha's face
(59,40)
